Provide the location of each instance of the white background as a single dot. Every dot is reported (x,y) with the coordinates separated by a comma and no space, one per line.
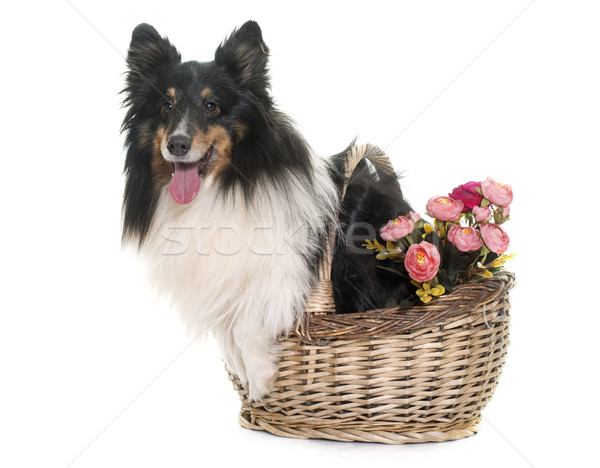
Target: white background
(96,373)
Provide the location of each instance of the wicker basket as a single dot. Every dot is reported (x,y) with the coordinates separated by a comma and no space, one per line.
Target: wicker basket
(392,376)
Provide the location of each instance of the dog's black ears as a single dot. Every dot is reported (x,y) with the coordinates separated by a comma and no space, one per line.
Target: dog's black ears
(148,54)
(245,56)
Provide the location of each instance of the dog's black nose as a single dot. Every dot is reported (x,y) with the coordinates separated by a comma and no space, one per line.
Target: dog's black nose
(179,145)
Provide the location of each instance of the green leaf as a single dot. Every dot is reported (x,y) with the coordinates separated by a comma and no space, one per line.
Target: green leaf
(434,239)
(484,251)
(443,279)
(456,262)
(416,237)
(485,202)
(504,219)
(396,255)
(498,216)
(409,302)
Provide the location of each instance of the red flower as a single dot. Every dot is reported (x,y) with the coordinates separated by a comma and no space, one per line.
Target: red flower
(467,194)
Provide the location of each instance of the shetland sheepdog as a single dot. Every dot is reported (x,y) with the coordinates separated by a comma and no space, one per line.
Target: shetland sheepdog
(231,208)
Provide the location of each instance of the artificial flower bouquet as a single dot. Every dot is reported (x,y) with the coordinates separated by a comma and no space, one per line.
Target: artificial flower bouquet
(465,240)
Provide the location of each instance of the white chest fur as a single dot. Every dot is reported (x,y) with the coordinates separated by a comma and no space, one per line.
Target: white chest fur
(240,270)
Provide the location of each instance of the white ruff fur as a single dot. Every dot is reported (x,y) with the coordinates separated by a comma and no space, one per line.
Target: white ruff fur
(239,269)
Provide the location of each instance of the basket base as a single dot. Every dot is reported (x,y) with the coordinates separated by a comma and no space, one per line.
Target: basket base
(377,435)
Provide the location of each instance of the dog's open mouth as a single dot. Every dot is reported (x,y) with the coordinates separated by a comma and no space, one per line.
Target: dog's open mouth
(185,183)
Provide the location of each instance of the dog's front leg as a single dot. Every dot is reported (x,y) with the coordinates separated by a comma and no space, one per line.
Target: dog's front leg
(260,356)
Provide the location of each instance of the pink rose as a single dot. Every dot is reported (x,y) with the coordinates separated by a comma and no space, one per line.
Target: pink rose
(482,213)
(422,261)
(466,239)
(498,194)
(445,208)
(397,229)
(506,211)
(467,194)
(494,237)
(414,216)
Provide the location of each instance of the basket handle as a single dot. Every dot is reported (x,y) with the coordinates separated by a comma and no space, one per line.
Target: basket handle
(320,300)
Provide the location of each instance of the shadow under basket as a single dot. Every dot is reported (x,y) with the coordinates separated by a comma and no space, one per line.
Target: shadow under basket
(391,376)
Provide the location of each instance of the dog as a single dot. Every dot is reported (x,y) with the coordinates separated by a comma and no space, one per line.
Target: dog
(230,207)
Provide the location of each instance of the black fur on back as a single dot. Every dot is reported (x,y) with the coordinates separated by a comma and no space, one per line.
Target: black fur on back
(359,282)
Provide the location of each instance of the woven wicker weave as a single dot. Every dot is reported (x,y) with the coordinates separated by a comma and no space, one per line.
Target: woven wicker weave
(392,376)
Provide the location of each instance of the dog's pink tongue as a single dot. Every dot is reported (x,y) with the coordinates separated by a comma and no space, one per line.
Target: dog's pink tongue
(185,183)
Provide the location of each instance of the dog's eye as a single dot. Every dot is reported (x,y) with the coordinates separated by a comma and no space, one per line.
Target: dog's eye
(211,107)
(166,108)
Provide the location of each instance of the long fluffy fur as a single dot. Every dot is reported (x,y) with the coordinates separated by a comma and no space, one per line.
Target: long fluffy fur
(240,268)
(240,259)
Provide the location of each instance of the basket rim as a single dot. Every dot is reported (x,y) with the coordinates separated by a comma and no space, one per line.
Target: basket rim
(317,328)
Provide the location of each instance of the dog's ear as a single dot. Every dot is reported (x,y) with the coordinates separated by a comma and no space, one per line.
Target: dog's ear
(245,56)
(148,54)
